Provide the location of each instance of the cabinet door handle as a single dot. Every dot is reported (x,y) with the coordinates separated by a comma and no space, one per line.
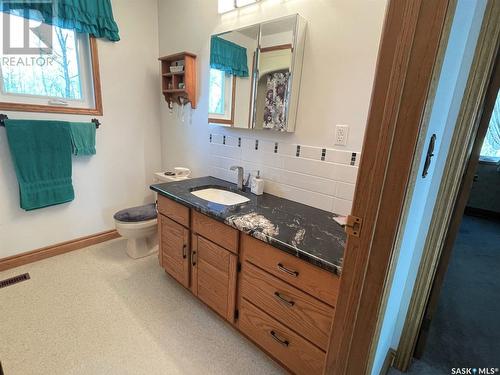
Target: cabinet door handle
(286,301)
(282,268)
(193,259)
(184,251)
(278,339)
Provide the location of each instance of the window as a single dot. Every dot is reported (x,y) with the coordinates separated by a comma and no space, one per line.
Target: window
(49,70)
(221,97)
(491,144)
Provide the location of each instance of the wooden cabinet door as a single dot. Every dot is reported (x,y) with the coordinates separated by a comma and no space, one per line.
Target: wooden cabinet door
(214,276)
(174,247)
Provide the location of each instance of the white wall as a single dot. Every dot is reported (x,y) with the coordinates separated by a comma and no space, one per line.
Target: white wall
(339,63)
(128,147)
(451,86)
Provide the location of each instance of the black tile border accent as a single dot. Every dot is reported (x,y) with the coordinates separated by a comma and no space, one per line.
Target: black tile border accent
(353,158)
(324,150)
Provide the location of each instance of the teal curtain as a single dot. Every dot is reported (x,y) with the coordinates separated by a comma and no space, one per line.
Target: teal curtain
(94,17)
(228,57)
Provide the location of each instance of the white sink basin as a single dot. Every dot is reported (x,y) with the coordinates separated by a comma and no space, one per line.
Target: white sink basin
(227,198)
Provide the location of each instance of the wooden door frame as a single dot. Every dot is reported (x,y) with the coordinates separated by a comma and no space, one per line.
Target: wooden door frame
(463,156)
(403,81)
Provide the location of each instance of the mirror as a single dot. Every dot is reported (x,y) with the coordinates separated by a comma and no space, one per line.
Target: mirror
(230,87)
(255,75)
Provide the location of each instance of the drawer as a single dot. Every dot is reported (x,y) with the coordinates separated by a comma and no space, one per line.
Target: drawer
(319,283)
(173,210)
(216,231)
(296,353)
(287,304)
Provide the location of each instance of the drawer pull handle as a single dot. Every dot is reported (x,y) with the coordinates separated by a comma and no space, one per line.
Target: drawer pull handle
(193,260)
(184,253)
(283,299)
(281,341)
(282,268)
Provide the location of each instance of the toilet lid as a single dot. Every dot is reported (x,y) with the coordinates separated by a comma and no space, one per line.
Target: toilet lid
(136,214)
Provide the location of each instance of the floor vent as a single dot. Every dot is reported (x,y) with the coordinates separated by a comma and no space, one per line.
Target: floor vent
(14,280)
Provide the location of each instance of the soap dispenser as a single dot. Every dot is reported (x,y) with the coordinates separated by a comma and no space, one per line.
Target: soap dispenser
(257,185)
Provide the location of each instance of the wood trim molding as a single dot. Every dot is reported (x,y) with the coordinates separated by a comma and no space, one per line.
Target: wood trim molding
(96,78)
(233,99)
(57,249)
(388,361)
(277,48)
(407,57)
(459,154)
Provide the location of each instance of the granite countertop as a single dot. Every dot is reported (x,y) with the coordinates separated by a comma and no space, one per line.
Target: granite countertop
(306,232)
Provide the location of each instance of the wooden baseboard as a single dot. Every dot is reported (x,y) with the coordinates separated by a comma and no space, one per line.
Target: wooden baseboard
(57,249)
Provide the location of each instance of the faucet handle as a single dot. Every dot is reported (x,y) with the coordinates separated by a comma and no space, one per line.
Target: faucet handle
(248,180)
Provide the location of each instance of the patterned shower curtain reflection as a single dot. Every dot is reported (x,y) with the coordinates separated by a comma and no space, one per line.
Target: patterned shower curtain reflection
(276,101)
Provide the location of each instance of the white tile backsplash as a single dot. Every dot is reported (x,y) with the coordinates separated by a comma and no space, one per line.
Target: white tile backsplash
(310,152)
(326,184)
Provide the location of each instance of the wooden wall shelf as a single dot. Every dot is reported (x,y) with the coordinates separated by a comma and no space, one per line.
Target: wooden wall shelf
(171,80)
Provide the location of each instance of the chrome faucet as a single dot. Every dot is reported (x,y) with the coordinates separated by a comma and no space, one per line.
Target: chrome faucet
(240,176)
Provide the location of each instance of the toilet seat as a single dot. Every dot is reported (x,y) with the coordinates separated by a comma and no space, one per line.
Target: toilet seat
(137,214)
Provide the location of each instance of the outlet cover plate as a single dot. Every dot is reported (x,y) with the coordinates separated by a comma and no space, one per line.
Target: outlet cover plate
(341,134)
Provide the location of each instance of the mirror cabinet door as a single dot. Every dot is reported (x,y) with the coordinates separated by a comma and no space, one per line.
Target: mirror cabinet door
(230,89)
(266,95)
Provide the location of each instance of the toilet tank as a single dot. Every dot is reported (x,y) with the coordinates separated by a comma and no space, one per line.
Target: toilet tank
(160,177)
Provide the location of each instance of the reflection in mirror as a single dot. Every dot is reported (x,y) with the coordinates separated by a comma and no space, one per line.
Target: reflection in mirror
(221,98)
(231,71)
(274,74)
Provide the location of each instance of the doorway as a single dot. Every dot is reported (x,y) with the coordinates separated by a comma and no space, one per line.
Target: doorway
(461,328)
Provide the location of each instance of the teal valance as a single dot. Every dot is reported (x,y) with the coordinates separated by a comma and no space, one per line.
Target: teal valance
(93,17)
(228,57)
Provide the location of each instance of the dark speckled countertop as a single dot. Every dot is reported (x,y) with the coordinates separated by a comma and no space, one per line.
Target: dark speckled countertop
(306,232)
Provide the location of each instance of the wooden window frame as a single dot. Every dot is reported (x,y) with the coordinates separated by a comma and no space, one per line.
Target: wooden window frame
(96,82)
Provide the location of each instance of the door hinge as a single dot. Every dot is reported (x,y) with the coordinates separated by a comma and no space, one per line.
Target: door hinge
(238,267)
(236,314)
(353,225)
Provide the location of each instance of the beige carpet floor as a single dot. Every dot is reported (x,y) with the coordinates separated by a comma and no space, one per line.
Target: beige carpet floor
(96,311)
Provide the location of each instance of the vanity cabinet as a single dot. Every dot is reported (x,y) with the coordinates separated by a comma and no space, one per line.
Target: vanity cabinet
(282,303)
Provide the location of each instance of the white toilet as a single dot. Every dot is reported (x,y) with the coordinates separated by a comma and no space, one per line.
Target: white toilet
(139,224)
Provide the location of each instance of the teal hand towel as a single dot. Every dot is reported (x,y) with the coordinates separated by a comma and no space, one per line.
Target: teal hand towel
(41,152)
(82,138)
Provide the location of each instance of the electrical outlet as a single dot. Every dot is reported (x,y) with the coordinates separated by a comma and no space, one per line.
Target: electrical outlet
(341,134)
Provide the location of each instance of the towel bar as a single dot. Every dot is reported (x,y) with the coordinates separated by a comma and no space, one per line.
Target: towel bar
(3,117)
